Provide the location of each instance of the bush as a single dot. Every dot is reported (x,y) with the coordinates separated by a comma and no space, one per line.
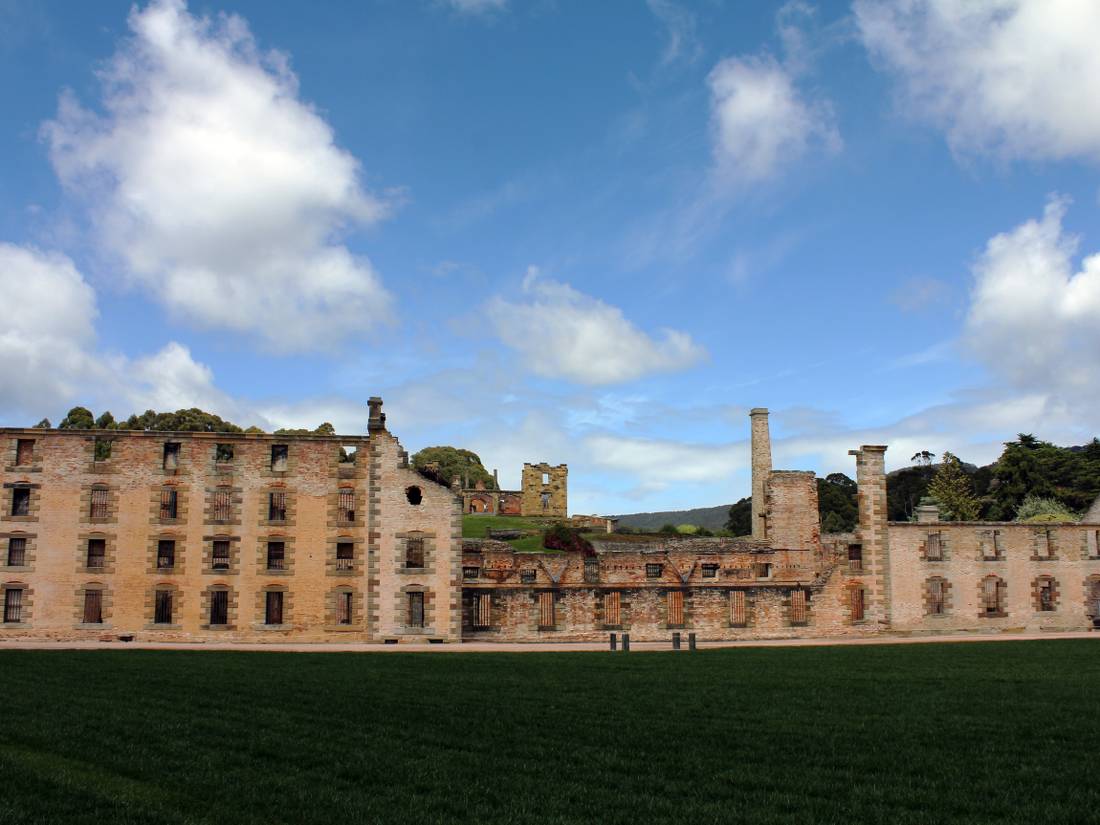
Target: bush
(1039,509)
(560,537)
(669,530)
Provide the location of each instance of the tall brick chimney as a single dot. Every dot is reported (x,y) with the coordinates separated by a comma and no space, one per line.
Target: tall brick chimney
(761,469)
(873,533)
(377,419)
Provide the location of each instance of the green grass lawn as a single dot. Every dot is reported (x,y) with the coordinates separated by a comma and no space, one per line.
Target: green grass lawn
(1005,732)
(478,527)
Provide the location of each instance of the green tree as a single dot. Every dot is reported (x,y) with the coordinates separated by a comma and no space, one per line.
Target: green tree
(668,530)
(952,488)
(836,503)
(1019,473)
(44,424)
(443,464)
(106,422)
(1037,509)
(78,418)
(739,522)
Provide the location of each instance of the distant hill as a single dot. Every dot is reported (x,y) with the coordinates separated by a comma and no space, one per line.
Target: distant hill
(713,518)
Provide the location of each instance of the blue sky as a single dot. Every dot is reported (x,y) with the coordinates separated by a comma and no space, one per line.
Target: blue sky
(585,233)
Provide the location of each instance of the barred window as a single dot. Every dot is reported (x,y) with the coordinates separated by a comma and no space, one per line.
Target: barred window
(710,571)
(344,607)
(482,611)
(855,604)
(1046,594)
(168,504)
(933,547)
(612,608)
(675,603)
(171,455)
(219,607)
(13,606)
(276,555)
(24,452)
(97,553)
(414,551)
(653,571)
(279,454)
(162,613)
(762,570)
(99,502)
(416,609)
(471,572)
(93,607)
(345,555)
(527,576)
(738,612)
(993,596)
(276,506)
(223,505)
(346,505)
(273,607)
(17,552)
(855,556)
(21,501)
(219,555)
(936,601)
(166,554)
(798,607)
(547,610)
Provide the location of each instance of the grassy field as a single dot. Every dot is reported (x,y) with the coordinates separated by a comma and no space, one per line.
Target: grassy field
(1002,732)
(478,527)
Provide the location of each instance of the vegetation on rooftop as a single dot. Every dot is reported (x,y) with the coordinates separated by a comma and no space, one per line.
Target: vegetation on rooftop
(444,464)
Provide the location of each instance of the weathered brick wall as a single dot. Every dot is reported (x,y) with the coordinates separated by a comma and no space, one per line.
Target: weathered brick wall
(793,519)
(968,558)
(555,489)
(873,580)
(761,462)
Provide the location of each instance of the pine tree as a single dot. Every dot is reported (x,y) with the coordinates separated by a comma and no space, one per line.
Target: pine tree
(954,491)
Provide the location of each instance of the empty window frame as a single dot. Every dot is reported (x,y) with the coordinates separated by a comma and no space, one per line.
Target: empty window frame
(345,607)
(547,610)
(346,505)
(798,607)
(102,448)
(348,453)
(855,557)
(93,607)
(219,607)
(223,453)
(653,571)
(414,552)
(222,507)
(171,455)
(13,605)
(415,601)
(169,503)
(166,554)
(763,570)
(937,601)
(991,545)
(276,555)
(414,495)
(674,602)
(527,576)
(24,452)
(162,610)
(856,604)
(738,608)
(993,597)
(100,500)
(545,500)
(1043,544)
(273,607)
(482,608)
(345,555)
(17,551)
(96,557)
(545,478)
(1046,595)
(933,547)
(710,571)
(613,608)
(219,554)
(21,501)
(279,456)
(276,506)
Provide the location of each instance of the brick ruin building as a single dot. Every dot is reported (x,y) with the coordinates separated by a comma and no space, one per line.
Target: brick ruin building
(242,537)
(544,493)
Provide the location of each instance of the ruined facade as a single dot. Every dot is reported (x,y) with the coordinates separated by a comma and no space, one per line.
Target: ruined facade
(202,536)
(544,494)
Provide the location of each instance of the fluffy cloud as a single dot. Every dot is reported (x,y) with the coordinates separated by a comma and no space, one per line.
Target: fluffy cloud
(761,122)
(217,187)
(48,327)
(1016,77)
(1033,319)
(563,333)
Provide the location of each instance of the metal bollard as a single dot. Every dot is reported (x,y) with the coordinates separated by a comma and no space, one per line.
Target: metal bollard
(614,644)
(691,641)
(676,641)
(626,643)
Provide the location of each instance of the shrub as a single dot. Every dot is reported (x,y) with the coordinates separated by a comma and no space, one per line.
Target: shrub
(560,537)
(669,530)
(1039,509)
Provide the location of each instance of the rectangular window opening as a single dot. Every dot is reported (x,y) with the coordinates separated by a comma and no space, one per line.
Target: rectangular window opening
(933,547)
(171,455)
(93,607)
(738,611)
(223,453)
(710,571)
(416,609)
(653,571)
(24,452)
(344,602)
(273,608)
(345,555)
(169,504)
(166,554)
(936,602)
(855,556)
(279,456)
(222,505)
(276,555)
(1046,595)
(856,597)
(414,552)
(675,599)
(346,505)
(219,555)
(547,610)
(13,606)
(163,611)
(798,607)
(219,607)
(99,503)
(97,554)
(482,609)
(526,576)
(102,448)
(348,453)
(276,506)
(21,501)
(17,552)
(612,608)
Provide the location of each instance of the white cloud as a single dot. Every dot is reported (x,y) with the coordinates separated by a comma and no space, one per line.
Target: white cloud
(47,330)
(220,190)
(1014,77)
(562,333)
(477,6)
(656,463)
(761,122)
(1033,318)
(679,23)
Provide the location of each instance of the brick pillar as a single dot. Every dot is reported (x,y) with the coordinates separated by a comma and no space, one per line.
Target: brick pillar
(873,532)
(761,469)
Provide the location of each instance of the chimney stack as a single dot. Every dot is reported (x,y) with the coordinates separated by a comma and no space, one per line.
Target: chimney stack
(761,469)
